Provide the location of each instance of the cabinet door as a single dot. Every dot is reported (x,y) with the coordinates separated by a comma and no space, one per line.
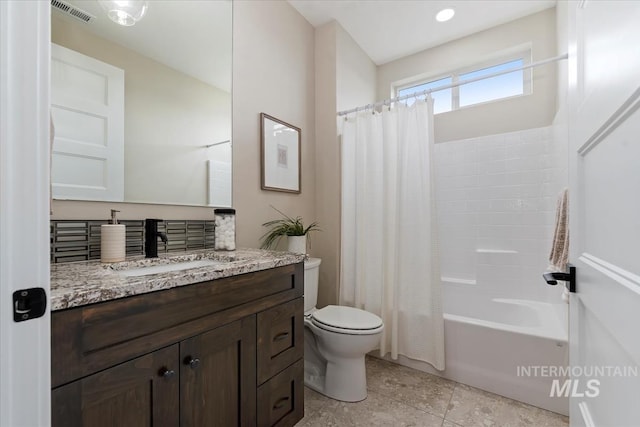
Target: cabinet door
(218,376)
(141,392)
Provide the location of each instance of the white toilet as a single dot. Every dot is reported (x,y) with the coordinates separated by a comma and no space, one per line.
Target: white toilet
(336,340)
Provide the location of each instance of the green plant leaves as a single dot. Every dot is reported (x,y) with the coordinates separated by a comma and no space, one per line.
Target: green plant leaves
(286,226)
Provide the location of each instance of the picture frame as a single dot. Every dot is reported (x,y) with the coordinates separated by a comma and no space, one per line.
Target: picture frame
(281,154)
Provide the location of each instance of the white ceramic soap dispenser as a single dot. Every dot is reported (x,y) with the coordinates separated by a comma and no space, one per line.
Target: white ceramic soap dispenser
(112,240)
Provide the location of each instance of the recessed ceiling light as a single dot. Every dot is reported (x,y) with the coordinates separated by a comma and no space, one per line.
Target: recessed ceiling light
(445,14)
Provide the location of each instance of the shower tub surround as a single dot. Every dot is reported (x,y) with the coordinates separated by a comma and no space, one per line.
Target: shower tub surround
(496,199)
(87,282)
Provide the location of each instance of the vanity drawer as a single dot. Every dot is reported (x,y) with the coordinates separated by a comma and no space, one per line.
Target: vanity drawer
(281,399)
(280,338)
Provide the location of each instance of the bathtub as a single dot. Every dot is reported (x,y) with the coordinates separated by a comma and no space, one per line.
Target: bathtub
(488,338)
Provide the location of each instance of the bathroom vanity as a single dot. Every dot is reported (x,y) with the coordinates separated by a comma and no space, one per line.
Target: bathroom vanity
(215,343)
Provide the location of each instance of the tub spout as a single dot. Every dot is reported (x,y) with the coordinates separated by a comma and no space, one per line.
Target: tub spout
(552,278)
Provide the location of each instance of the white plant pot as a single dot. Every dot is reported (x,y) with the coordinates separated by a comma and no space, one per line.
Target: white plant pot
(297,244)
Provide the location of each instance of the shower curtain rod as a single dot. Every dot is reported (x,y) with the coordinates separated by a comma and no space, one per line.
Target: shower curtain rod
(449,86)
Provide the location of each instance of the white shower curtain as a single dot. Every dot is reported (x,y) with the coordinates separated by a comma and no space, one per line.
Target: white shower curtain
(390,263)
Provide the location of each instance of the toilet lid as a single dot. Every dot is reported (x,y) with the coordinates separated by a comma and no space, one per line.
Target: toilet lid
(347,318)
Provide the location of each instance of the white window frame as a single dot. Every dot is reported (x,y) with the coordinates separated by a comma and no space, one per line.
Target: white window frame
(520,52)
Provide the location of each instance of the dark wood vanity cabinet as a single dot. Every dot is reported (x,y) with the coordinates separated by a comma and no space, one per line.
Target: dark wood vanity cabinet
(217,376)
(134,393)
(280,364)
(221,353)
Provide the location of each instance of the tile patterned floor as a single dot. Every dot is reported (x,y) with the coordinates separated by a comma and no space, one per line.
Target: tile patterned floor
(400,396)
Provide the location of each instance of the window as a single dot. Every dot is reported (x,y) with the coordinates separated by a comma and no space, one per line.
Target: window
(493,88)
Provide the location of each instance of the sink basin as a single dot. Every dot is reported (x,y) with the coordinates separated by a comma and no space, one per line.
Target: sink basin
(166,268)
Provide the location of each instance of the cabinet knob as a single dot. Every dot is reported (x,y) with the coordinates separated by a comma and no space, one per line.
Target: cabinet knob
(192,362)
(166,373)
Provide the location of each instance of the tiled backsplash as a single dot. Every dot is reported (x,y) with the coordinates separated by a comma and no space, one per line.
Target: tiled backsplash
(496,198)
(80,240)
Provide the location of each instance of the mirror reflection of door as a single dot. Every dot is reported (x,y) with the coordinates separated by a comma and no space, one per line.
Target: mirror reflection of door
(87,107)
(177,105)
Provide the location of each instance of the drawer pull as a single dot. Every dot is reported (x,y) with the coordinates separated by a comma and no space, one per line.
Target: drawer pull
(192,362)
(281,336)
(166,373)
(280,403)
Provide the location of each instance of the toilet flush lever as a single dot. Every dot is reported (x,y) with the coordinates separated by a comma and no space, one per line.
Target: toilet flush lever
(570,277)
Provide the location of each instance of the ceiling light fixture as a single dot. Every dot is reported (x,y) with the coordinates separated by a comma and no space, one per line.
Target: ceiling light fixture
(125,12)
(445,14)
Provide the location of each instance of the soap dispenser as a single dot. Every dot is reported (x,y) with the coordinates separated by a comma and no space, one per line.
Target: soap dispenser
(112,240)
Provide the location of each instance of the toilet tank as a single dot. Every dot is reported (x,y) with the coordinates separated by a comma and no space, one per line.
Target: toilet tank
(311,271)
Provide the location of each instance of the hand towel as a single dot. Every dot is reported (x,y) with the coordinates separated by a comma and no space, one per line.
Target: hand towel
(559,255)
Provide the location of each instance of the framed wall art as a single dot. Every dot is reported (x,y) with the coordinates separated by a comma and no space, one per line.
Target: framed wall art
(280,155)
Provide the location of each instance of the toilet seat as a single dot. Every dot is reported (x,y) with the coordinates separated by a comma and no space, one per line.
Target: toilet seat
(346,320)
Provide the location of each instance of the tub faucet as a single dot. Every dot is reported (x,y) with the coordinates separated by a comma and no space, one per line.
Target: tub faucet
(151,235)
(569,277)
(552,278)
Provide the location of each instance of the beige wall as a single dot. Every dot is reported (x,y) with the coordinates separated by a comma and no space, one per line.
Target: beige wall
(326,245)
(356,73)
(77,209)
(344,76)
(525,112)
(273,72)
(169,119)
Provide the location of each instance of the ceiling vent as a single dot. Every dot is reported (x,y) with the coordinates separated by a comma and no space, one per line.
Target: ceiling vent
(67,9)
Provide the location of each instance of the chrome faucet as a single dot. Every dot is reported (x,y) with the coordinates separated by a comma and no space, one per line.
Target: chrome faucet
(151,235)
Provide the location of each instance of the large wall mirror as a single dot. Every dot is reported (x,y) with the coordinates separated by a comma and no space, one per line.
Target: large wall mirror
(142,113)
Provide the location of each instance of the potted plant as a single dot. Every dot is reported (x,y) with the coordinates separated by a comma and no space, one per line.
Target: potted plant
(292,228)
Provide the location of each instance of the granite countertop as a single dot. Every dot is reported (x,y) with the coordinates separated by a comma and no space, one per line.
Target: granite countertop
(74,284)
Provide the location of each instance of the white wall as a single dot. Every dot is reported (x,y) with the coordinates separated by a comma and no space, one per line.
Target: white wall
(345,76)
(496,198)
(169,119)
(524,112)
